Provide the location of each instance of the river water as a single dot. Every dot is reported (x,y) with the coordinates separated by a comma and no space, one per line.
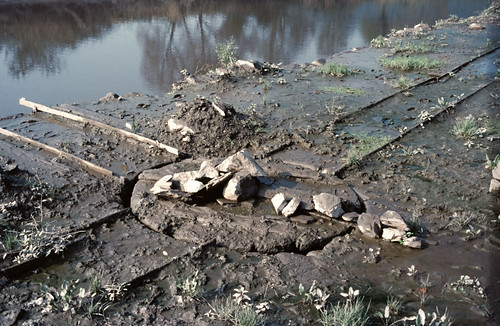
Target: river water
(71,51)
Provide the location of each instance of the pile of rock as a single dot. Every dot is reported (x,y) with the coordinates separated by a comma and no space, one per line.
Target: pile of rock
(235,176)
(495,181)
(237,179)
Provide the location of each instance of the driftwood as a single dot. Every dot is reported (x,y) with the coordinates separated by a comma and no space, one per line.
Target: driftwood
(43,108)
(68,156)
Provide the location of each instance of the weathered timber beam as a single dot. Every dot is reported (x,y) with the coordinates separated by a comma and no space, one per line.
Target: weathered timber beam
(86,164)
(43,108)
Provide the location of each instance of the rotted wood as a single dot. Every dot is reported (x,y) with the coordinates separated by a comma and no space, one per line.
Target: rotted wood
(128,134)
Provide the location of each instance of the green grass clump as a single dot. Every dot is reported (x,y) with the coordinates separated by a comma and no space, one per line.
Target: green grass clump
(343,90)
(466,128)
(403,82)
(409,63)
(348,313)
(423,47)
(227,52)
(336,70)
(365,145)
(380,42)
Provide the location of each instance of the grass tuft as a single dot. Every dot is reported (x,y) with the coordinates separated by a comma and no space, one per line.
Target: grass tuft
(409,63)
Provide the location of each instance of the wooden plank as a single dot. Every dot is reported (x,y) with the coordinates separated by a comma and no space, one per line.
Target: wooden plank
(68,156)
(43,108)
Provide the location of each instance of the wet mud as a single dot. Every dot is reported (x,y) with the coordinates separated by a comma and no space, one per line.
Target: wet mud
(142,259)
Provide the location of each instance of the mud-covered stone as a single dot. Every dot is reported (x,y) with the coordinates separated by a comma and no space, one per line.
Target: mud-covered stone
(496,172)
(413,242)
(394,220)
(179,126)
(240,187)
(369,225)
(494,186)
(328,204)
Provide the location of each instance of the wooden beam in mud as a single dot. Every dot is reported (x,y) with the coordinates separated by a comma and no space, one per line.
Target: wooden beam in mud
(43,108)
(86,164)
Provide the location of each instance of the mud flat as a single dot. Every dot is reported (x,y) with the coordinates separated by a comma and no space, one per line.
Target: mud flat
(85,247)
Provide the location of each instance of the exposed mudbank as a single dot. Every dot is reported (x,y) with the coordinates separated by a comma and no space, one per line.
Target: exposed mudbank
(174,256)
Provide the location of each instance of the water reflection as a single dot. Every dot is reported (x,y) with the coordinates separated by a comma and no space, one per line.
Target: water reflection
(176,34)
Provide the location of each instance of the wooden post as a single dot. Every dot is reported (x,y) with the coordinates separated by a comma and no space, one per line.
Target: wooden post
(43,108)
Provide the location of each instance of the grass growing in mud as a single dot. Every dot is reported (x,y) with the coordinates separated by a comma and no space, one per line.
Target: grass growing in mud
(335,70)
(365,144)
(227,52)
(343,90)
(409,63)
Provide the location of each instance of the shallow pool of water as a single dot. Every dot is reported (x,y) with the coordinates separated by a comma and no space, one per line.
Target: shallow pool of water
(68,51)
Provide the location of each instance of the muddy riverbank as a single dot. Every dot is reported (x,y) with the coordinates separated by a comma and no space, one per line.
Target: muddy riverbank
(85,247)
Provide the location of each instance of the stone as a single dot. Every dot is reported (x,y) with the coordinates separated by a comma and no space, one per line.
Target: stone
(207,171)
(179,125)
(494,186)
(303,219)
(240,187)
(192,186)
(180,178)
(291,207)
(248,65)
(226,202)
(393,219)
(328,204)
(164,184)
(239,162)
(413,242)
(109,97)
(393,235)
(350,217)
(476,26)
(279,202)
(369,225)
(318,62)
(421,27)
(496,172)
(217,183)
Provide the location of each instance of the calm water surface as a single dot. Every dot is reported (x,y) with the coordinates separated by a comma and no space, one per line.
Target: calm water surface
(72,51)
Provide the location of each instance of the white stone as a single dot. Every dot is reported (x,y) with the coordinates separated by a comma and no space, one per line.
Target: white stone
(192,186)
(393,219)
(207,171)
(239,162)
(328,204)
(393,235)
(163,184)
(476,26)
(279,202)
(178,125)
(291,207)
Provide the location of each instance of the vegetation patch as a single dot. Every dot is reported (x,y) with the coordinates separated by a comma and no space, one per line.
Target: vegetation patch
(365,144)
(409,63)
(343,90)
(227,52)
(335,70)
